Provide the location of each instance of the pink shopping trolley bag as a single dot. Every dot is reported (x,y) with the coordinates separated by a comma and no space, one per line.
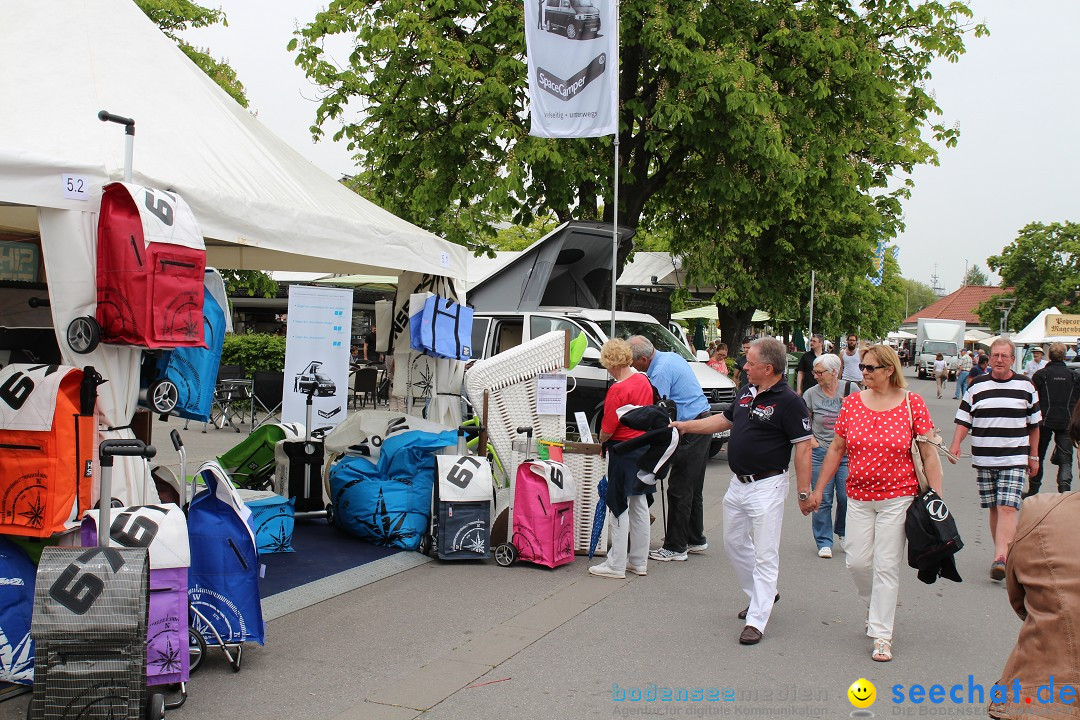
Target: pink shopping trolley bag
(544,492)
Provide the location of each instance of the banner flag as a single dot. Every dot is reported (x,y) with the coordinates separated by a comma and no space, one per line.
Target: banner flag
(573,52)
(878,260)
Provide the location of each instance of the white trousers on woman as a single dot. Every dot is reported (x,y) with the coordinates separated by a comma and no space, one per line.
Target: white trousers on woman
(875,554)
(632,526)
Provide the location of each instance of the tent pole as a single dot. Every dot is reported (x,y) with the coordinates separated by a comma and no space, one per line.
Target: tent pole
(615,210)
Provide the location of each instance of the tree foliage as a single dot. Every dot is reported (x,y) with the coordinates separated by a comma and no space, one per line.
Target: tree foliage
(919,296)
(249,282)
(1042,265)
(976,276)
(763,137)
(176,16)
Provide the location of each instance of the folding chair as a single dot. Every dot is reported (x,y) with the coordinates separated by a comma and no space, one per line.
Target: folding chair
(365,385)
(232,398)
(267,389)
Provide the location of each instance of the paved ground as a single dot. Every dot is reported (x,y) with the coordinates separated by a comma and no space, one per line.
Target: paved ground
(478,641)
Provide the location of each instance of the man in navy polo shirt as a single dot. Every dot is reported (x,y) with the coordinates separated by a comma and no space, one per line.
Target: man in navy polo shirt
(765,421)
(674,379)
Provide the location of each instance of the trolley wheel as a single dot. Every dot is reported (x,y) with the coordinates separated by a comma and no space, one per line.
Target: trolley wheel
(329,514)
(155,707)
(236,659)
(196,648)
(424,548)
(162,396)
(83,334)
(505,554)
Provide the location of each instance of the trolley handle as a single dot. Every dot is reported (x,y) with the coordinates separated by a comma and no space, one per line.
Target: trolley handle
(125,448)
(526,429)
(177,442)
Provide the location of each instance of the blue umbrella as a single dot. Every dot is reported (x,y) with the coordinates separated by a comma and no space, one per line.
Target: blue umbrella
(599,516)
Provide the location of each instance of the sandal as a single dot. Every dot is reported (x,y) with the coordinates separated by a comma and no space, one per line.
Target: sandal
(882,650)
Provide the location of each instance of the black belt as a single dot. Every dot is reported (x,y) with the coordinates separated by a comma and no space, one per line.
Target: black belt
(747,479)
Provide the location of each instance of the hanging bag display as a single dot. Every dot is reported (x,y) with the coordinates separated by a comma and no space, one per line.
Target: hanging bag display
(46,447)
(446,329)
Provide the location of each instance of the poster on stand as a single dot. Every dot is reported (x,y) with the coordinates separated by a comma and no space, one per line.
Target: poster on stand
(317,355)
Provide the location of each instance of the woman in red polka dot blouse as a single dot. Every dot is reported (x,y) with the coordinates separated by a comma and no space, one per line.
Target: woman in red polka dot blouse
(874,430)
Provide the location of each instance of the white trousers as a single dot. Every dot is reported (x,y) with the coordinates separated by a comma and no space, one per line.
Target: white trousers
(632,526)
(875,553)
(753,514)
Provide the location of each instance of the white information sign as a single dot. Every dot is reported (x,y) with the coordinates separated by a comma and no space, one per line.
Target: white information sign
(75,187)
(317,355)
(583,427)
(551,394)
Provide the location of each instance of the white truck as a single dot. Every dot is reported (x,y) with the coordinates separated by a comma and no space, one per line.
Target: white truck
(935,336)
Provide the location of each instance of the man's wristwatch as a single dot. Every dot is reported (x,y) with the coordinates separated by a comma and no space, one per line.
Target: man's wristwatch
(803,496)
(1033,457)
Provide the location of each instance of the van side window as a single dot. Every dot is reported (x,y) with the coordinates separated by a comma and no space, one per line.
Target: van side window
(507,335)
(539,325)
(479,337)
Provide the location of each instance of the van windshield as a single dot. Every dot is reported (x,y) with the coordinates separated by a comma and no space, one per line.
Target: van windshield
(936,346)
(658,335)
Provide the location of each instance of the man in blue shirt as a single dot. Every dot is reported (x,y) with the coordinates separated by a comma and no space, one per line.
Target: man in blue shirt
(673,378)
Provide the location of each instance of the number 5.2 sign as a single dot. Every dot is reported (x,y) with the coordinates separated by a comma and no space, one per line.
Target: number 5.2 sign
(75,187)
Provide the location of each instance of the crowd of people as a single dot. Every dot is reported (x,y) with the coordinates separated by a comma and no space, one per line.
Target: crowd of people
(845,433)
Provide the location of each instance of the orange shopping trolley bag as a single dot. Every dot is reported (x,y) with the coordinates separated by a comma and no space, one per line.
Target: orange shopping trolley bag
(47,446)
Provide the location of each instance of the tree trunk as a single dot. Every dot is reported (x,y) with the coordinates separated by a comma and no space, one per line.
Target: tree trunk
(733,324)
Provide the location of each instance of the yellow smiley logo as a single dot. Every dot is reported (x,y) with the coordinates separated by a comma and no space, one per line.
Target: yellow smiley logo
(862,693)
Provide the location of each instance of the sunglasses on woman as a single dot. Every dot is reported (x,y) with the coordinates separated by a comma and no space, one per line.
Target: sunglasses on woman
(871,368)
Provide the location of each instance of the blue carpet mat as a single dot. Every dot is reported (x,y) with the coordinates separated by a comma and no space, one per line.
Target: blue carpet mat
(320,551)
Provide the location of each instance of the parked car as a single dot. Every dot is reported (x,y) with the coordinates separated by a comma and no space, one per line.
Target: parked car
(494,332)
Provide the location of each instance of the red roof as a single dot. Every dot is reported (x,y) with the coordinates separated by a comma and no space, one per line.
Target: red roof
(960,305)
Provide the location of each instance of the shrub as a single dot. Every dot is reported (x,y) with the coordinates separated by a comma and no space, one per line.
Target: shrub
(254,351)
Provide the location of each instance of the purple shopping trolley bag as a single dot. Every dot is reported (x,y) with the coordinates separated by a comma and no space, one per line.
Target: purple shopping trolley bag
(162,529)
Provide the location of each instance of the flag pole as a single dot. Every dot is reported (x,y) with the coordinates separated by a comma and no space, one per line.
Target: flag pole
(811,302)
(615,209)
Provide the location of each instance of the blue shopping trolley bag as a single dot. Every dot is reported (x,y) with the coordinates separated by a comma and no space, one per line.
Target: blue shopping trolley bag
(223,583)
(17,575)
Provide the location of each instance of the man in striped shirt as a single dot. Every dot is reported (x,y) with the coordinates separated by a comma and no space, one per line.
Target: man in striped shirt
(1001,411)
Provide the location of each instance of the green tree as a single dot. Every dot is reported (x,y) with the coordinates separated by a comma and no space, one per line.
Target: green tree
(176,16)
(762,136)
(919,296)
(1042,266)
(976,276)
(249,282)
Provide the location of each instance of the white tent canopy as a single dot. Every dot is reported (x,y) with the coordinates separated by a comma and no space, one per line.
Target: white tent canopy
(975,336)
(1035,332)
(900,335)
(710,312)
(259,203)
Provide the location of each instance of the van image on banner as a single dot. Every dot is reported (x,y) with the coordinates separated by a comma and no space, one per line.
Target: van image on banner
(577,19)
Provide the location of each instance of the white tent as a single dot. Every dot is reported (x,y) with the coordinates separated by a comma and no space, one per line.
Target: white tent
(900,335)
(975,336)
(1035,332)
(710,312)
(259,204)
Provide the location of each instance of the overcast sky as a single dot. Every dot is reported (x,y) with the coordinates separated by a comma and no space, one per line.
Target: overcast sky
(1013,95)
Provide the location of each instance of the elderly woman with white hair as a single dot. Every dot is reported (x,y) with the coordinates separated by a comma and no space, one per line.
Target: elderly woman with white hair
(823,401)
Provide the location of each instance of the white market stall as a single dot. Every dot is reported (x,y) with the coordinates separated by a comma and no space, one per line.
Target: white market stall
(259,204)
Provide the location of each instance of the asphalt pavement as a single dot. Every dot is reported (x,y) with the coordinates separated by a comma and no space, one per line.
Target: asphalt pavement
(475,640)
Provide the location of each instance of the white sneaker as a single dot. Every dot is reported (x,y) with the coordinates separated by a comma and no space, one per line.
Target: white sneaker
(825,552)
(697,549)
(843,543)
(602,570)
(665,555)
(637,570)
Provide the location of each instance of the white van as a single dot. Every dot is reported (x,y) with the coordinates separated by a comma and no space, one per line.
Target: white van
(494,332)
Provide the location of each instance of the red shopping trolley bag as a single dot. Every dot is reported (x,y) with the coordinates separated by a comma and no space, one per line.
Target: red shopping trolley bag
(150,264)
(46,447)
